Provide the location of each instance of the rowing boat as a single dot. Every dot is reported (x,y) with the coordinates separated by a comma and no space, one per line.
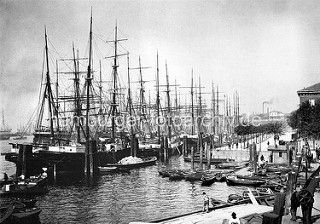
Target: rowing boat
(143,163)
(234,180)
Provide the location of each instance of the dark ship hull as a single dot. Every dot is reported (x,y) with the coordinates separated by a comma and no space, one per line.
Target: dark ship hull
(65,162)
(4,137)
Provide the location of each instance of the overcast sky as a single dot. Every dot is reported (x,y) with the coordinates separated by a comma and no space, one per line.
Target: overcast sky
(265,50)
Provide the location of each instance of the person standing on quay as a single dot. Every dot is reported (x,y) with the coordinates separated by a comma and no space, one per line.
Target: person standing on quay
(205,202)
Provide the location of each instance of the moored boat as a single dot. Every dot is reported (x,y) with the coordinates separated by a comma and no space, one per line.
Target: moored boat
(107,169)
(30,186)
(250,177)
(6,212)
(232,165)
(178,175)
(262,199)
(29,203)
(207,181)
(194,176)
(234,180)
(166,172)
(217,202)
(277,168)
(26,213)
(221,177)
(18,203)
(212,160)
(142,163)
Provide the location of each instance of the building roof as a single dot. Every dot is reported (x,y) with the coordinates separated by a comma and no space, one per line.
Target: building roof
(311,89)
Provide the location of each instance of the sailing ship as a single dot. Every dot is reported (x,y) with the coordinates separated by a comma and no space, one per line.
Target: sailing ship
(74,147)
(5,131)
(74,151)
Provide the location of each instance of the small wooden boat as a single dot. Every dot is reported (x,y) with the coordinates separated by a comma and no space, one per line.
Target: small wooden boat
(276,168)
(145,162)
(179,175)
(6,213)
(217,202)
(194,176)
(264,191)
(168,172)
(233,180)
(107,169)
(213,161)
(207,181)
(26,213)
(234,198)
(30,186)
(221,177)
(249,177)
(19,203)
(232,165)
(29,203)
(267,199)
(165,173)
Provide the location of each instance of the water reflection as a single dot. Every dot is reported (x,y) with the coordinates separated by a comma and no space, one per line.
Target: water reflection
(141,195)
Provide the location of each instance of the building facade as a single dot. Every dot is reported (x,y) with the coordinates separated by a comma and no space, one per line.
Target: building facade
(311,93)
(279,154)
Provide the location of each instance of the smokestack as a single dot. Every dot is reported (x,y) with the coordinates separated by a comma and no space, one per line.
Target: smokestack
(264,102)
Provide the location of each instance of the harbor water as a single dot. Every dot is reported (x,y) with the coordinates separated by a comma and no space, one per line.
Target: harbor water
(139,195)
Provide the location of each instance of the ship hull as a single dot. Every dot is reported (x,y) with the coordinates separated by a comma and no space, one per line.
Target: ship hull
(69,162)
(4,137)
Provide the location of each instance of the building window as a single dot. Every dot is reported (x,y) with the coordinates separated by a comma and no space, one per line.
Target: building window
(280,154)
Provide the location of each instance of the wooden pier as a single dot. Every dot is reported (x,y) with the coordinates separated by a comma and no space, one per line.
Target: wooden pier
(216,216)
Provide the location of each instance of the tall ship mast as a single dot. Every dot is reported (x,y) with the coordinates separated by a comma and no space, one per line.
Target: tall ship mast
(77,145)
(168,103)
(158,100)
(5,131)
(47,134)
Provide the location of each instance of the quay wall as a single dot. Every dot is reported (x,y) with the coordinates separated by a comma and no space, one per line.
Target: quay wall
(238,155)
